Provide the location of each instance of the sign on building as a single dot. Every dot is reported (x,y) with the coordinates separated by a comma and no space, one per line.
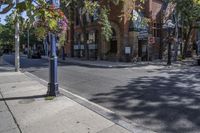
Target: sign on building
(143,35)
(127,50)
(76,47)
(151,40)
(91,37)
(92,46)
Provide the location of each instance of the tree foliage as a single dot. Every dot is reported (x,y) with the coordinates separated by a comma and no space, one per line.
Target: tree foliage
(8,5)
(189,11)
(46,18)
(7,33)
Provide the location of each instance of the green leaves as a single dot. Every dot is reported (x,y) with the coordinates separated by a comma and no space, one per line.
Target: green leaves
(7,33)
(8,5)
(52,24)
(106,26)
(40,32)
(188,9)
(90,6)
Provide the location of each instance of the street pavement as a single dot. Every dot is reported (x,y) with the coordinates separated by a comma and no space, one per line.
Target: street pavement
(162,99)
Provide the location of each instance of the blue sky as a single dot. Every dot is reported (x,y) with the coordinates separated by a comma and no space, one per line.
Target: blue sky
(3,16)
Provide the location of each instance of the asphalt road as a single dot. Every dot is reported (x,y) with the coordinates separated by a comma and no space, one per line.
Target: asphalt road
(166,101)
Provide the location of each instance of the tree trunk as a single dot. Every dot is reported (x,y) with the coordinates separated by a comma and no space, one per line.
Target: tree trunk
(72,30)
(187,42)
(83,24)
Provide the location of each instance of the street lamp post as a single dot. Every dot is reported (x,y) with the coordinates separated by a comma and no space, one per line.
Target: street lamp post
(169,26)
(53,63)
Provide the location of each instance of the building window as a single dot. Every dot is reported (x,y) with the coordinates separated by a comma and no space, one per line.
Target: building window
(77,18)
(156,29)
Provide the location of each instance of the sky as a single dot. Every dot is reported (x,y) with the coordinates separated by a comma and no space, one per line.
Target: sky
(3,16)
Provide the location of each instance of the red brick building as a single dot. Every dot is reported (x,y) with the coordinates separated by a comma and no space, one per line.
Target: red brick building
(127,41)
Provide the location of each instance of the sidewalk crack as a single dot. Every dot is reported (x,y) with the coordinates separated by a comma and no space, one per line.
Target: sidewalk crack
(10,112)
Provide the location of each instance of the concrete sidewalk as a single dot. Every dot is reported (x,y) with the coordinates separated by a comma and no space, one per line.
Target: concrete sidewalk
(23,108)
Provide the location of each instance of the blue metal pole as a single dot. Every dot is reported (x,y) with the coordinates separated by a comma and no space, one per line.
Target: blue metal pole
(53,70)
(53,62)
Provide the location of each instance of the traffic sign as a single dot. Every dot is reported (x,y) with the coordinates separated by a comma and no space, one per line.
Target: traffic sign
(151,40)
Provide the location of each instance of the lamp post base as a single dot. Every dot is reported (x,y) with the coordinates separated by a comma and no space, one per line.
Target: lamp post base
(52,89)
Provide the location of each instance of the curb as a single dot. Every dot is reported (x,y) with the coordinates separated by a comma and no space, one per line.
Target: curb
(93,65)
(113,66)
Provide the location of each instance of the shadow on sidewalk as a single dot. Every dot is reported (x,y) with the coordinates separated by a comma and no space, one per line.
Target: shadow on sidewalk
(22,97)
(6,70)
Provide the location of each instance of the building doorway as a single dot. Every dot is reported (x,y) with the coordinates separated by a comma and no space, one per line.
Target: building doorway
(113,42)
(143,50)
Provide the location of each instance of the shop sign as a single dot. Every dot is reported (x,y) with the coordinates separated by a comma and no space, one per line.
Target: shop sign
(127,50)
(91,37)
(82,47)
(76,47)
(92,46)
(143,34)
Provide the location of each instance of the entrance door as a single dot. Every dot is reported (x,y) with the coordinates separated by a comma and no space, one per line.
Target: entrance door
(113,43)
(142,50)
(113,46)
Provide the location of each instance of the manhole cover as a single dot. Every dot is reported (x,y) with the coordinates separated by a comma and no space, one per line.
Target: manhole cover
(26,101)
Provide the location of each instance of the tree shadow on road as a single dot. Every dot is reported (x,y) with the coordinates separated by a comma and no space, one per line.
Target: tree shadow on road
(166,103)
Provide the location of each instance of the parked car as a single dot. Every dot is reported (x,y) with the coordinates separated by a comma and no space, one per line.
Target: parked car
(36,54)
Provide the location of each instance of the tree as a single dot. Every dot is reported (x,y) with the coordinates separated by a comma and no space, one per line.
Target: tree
(45,17)
(7,34)
(189,11)
(9,4)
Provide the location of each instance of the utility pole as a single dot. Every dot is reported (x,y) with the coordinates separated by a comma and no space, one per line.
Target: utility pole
(53,61)
(17,63)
